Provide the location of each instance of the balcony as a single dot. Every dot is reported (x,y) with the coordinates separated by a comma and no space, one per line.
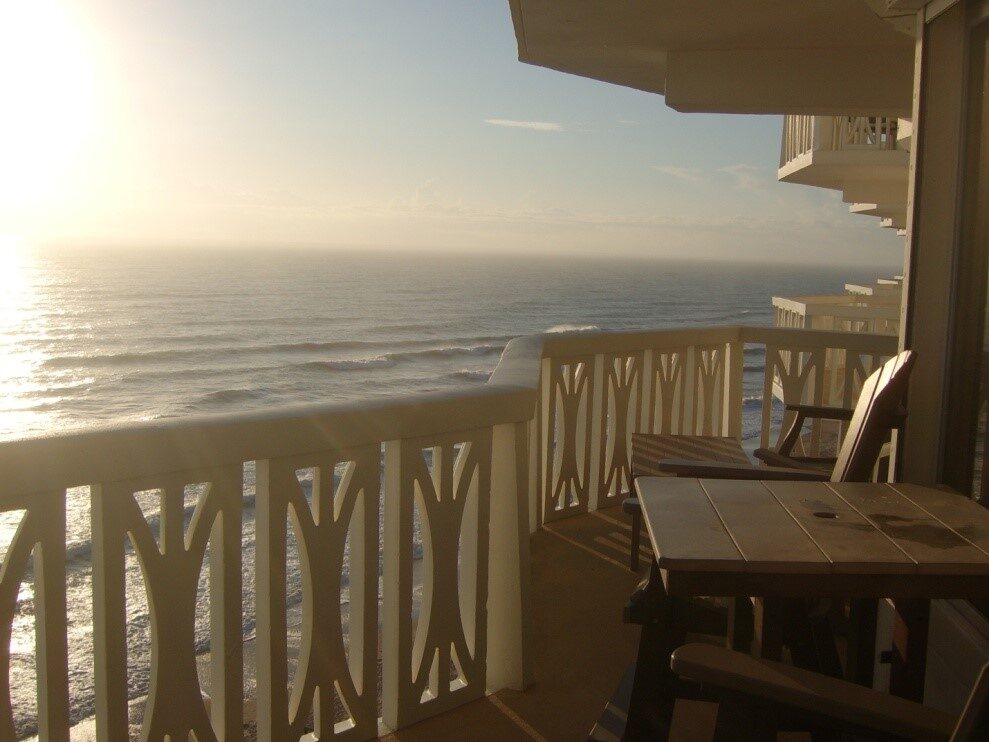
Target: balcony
(861,156)
(878,315)
(428,534)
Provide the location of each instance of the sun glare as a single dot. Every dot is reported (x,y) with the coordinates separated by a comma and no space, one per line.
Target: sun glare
(47,98)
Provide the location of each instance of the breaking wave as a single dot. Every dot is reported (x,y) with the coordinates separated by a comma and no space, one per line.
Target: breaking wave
(572,328)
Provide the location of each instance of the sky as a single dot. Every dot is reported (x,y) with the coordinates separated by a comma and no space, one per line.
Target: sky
(148,124)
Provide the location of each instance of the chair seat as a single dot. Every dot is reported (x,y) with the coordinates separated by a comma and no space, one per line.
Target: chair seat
(648,449)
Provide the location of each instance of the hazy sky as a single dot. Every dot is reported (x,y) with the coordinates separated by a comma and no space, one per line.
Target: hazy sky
(398,124)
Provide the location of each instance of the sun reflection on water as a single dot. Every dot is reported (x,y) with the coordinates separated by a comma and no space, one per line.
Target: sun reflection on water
(20,319)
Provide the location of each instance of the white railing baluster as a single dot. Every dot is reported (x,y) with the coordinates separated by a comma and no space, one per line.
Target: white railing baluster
(602,428)
(734,377)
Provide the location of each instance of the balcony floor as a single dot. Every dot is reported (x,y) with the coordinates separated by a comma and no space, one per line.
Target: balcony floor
(580,582)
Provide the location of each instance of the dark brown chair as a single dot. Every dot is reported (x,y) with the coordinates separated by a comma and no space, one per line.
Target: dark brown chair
(758,697)
(880,408)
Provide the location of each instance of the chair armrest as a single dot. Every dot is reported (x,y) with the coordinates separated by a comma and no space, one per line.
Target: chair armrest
(721,470)
(822,412)
(774,458)
(808,692)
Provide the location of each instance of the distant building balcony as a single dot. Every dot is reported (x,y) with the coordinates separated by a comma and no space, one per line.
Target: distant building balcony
(864,157)
(876,314)
(444,491)
(872,309)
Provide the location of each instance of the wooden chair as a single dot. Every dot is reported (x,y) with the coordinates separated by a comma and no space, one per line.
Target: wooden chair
(758,697)
(879,409)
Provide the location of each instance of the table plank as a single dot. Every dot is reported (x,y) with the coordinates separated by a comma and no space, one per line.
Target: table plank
(850,541)
(967,518)
(685,529)
(936,548)
(767,536)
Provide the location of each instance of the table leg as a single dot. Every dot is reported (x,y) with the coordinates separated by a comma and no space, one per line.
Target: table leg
(740,623)
(908,662)
(653,696)
(862,616)
(768,617)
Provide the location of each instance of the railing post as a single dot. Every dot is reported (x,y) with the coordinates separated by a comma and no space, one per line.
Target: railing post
(270,551)
(598,430)
(109,619)
(820,132)
(535,480)
(396,604)
(509,620)
(689,392)
(50,621)
(734,373)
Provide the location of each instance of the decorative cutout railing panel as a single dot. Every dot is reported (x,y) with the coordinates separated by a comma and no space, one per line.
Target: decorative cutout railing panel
(799,375)
(619,415)
(567,437)
(336,530)
(171,566)
(667,392)
(864,132)
(36,545)
(706,393)
(435,660)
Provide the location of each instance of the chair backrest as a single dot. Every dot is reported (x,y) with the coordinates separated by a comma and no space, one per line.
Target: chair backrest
(880,407)
(973,724)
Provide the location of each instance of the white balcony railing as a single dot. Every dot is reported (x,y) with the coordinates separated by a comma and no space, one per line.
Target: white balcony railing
(804,134)
(475,471)
(840,313)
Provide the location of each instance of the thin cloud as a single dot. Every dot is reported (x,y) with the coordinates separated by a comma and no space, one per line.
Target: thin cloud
(746,177)
(691,174)
(532,125)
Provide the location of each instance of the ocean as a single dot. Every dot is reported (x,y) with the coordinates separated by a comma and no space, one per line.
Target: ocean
(96,337)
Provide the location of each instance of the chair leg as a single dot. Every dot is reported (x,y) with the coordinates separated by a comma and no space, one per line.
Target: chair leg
(740,624)
(862,640)
(633,561)
(633,507)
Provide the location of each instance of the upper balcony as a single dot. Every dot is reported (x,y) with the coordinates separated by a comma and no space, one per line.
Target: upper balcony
(392,572)
(862,156)
(838,152)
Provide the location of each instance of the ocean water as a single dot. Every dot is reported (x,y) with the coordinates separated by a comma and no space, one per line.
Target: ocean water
(92,338)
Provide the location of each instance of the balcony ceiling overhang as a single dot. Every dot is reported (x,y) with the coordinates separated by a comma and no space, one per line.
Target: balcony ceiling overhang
(727,56)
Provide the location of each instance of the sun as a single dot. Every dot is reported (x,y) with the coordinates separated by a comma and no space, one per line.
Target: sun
(47,95)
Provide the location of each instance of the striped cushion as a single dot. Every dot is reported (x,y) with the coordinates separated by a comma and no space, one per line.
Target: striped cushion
(648,449)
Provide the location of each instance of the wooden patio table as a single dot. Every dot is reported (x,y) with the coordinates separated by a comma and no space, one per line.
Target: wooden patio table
(777,541)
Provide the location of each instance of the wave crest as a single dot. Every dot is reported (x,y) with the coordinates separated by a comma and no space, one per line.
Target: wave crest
(572,328)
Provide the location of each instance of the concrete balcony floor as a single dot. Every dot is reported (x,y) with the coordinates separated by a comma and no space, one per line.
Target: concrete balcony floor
(581,648)
(580,582)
